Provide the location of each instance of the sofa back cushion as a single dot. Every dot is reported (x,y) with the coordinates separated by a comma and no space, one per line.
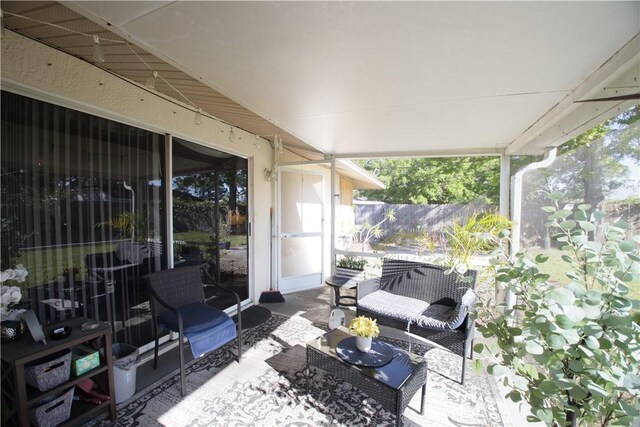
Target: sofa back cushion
(423,281)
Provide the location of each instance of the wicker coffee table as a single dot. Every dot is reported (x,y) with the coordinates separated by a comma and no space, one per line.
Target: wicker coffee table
(392,385)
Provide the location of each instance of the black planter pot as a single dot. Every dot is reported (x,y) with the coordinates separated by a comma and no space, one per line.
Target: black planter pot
(349,273)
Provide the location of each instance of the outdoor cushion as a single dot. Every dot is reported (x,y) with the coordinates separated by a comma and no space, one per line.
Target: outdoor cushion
(394,306)
(446,314)
(206,327)
(469,298)
(435,300)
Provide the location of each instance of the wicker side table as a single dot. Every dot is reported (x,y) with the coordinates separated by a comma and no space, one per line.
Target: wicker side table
(392,385)
(339,283)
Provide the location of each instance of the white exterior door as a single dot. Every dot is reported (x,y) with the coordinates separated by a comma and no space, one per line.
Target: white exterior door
(300,230)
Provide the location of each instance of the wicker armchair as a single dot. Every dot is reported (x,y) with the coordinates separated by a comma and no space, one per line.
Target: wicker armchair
(178,304)
(423,299)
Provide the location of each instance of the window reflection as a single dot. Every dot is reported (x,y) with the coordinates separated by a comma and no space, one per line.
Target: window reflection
(210,194)
(83,211)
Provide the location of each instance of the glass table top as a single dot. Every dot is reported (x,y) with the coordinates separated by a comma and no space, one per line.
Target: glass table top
(394,374)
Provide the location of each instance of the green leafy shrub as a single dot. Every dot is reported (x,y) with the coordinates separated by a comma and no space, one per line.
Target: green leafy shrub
(571,352)
(462,241)
(128,225)
(362,234)
(354,263)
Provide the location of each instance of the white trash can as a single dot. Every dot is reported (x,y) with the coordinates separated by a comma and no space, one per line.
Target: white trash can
(125,369)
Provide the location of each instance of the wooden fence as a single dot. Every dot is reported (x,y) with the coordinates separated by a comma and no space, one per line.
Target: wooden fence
(414,219)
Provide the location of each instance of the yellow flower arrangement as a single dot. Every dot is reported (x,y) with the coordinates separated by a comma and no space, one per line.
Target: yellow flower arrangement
(364,327)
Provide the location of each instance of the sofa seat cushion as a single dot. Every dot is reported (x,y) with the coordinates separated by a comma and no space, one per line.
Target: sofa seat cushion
(445,313)
(393,306)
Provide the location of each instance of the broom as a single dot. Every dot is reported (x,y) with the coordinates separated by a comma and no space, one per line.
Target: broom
(272,295)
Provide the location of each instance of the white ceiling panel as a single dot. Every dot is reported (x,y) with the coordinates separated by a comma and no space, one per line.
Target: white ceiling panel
(121,12)
(473,126)
(385,77)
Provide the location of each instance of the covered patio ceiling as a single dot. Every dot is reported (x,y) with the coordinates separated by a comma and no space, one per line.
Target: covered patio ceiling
(373,79)
(398,78)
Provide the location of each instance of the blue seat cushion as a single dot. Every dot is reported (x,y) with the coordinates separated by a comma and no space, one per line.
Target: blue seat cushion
(207,328)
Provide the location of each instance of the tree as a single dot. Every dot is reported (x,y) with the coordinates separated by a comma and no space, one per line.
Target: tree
(589,167)
(195,195)
(435,180)
(597,158)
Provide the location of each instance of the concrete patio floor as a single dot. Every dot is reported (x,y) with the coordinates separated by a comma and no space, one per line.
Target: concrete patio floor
(316,305)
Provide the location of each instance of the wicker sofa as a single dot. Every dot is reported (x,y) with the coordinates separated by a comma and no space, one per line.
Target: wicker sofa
(434,305)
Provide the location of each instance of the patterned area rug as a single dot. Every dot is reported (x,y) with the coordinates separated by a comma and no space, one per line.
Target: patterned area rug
(268,389)
(253,316)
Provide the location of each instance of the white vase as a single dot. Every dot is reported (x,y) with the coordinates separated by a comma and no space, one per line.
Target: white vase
(363,344)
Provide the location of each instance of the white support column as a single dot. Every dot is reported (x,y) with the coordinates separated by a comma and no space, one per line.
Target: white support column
(168,196)
(505,185)
(505,200)
(516,206)
(516,196)
(333,215)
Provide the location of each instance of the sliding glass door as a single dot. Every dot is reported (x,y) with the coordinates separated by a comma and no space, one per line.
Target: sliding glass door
(210,211)
(83,207)
(83,211)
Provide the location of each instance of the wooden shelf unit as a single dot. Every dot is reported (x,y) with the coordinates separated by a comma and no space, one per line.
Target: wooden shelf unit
(17,354)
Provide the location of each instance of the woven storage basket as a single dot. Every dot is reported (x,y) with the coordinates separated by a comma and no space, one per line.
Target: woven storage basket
(47,374)
(53,412)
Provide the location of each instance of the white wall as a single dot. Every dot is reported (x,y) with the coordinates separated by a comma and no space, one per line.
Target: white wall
(35,70)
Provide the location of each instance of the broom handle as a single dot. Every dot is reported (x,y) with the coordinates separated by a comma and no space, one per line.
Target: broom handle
(271,247)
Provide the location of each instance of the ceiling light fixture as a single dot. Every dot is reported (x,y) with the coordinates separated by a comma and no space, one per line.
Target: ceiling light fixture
(198,118)
(98,53)
(151,81)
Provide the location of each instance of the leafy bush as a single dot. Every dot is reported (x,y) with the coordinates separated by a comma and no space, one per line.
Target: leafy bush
(573,351)
(363,233)
(129,225)
(461,241)
(352,263)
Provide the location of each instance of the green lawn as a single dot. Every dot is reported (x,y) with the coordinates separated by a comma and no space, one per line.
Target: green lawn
(205,238)
(46,265)
(557,268)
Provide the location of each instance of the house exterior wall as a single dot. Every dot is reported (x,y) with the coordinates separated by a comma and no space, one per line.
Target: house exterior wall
(346,192)
(345,215)
(33,69)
